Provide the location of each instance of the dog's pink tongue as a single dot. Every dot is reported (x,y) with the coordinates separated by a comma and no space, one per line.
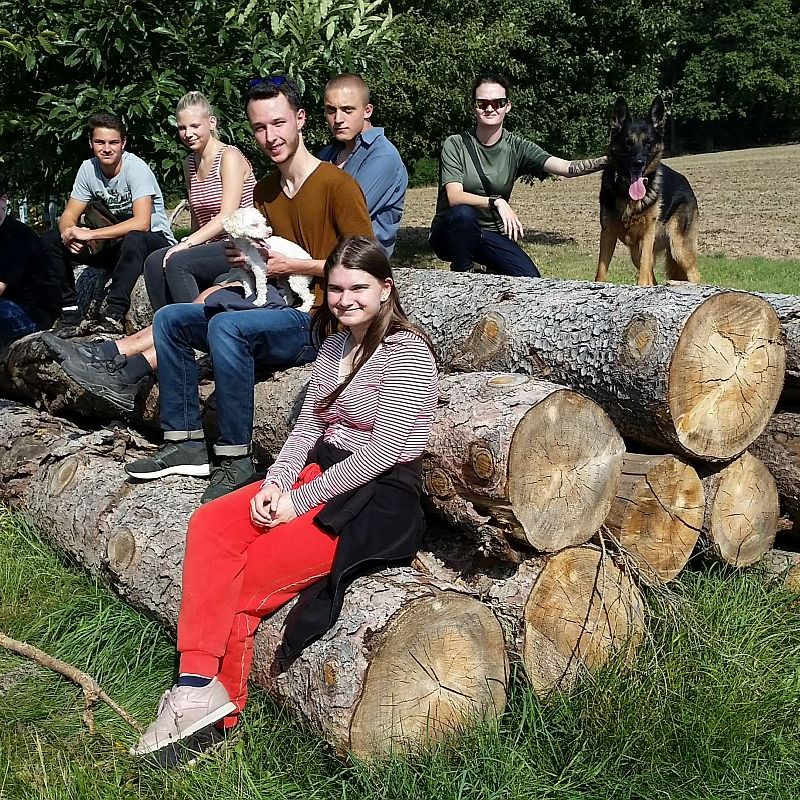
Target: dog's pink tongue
(637,190)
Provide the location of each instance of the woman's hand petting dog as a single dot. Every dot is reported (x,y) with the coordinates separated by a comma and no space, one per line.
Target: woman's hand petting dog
(512,227)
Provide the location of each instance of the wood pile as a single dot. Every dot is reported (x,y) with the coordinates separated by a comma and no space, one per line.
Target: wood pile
(544,527)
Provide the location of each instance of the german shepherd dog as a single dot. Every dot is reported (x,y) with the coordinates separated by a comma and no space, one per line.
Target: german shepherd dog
(645,204)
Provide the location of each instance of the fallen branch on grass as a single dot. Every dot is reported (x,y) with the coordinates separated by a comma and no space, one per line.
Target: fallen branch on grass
(92,693)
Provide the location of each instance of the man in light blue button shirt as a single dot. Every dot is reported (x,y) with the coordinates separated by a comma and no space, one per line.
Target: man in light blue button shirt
(365,153)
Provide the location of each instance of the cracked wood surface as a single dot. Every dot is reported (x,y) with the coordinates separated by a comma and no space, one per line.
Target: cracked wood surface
(396,622)
(657,514)
(562,614)
(741,513)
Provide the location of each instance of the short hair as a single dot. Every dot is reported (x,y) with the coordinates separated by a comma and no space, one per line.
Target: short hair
(489,77)
(348,80)
(267,88)
(106,120)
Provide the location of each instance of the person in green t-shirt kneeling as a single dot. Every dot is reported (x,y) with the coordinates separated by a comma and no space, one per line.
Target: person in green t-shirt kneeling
(475,223)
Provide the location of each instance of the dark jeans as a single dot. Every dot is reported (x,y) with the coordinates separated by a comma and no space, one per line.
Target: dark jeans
(125,262)
(185,274)
(14,322)
(457,237)
(237,341)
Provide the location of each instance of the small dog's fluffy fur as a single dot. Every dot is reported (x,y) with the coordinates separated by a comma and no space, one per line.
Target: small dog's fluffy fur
(244,227)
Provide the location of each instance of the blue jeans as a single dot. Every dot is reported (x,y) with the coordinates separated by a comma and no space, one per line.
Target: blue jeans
(14,322)
(457,237)
(236,341)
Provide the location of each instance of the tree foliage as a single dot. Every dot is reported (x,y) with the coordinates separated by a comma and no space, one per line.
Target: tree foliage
(65,59)
(729,69)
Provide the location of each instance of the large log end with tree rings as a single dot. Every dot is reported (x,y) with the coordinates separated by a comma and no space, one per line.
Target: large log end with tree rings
(539,461)
(726,374)
(582,610)
(410,662)
(657,513)
(779,448)
(742,512)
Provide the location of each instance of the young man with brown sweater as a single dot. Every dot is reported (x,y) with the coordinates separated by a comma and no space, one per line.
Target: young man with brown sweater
(305,200)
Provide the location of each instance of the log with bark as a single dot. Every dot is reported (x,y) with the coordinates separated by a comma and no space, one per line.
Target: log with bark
(697,371)
(741,514)
(679,368)
(517,463)
(410,657)
(779,448)
(657,514)
(562,614)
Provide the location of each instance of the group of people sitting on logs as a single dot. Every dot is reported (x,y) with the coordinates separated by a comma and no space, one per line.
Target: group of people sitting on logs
(345,489)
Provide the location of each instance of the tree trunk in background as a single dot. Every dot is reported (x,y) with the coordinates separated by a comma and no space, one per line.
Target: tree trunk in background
(410,658)
(657,513)
(741,514)
(779,448)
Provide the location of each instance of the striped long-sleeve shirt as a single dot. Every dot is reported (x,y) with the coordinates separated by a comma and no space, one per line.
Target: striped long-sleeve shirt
(383,417)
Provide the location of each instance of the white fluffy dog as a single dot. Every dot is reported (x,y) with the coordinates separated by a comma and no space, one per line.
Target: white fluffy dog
(246,226)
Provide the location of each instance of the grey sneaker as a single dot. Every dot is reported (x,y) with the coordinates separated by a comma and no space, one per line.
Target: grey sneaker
(174,458)
(187,752)
(65,349)
(106,379)
(182,711)
(232,473)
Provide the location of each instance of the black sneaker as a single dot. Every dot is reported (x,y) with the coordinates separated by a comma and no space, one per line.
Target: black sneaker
(230,474)
(106,379)
(174,458)
(65,349)
(69,318)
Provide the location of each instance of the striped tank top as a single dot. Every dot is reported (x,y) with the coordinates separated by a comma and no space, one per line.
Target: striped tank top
(205,197)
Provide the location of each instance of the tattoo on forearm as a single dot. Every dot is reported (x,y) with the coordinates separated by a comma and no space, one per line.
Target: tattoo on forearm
(586,165)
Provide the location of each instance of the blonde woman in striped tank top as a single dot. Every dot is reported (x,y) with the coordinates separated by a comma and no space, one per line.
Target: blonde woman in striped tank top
(219,180)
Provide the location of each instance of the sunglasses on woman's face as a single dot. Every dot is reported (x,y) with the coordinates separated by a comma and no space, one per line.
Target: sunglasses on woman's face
(494,102)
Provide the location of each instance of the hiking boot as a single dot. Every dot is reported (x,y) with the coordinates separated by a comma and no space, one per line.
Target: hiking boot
(107,379)
(230,474)
(65,349)
(174,458)
(182,711)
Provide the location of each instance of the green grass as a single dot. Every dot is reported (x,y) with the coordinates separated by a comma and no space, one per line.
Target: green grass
(708,710)
(570,262)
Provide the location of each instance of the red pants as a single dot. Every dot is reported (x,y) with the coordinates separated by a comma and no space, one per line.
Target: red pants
(236,573)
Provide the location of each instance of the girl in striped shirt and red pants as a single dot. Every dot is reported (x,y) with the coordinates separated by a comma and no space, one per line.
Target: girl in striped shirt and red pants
(342,497)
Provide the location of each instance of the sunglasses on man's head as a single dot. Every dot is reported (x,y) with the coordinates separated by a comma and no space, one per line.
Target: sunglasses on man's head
(494,102)
(274,80)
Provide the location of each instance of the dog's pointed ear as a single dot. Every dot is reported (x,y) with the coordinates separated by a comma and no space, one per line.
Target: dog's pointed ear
(658,114)
(620,115)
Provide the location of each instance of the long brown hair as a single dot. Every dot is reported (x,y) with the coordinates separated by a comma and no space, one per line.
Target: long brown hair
(364,253)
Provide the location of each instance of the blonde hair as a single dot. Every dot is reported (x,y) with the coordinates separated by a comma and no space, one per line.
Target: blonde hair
(197,100)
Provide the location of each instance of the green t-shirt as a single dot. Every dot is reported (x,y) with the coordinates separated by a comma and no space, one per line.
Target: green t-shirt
(507,159)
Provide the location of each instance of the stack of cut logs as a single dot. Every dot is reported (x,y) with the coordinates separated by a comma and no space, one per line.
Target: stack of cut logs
(590,438)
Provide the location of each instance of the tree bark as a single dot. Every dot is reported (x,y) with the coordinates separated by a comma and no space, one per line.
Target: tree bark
(679,368)
(384,676)
(694,370)
(562,614)
(779,448)
(657,513)
(741,513)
